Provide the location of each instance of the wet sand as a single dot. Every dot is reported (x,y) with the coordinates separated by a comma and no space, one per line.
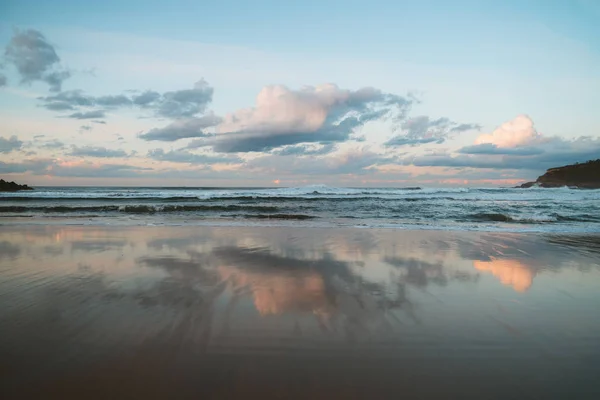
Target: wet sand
(248,312)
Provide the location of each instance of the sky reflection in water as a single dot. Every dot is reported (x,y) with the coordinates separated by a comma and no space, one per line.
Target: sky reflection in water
(483,305)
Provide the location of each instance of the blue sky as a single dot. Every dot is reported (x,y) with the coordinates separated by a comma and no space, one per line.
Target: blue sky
(459,93)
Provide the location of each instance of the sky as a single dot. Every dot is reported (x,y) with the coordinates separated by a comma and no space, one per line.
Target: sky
(264,93)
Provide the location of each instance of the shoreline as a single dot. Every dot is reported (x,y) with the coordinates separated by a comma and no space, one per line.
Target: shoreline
(172,221)
(591,240)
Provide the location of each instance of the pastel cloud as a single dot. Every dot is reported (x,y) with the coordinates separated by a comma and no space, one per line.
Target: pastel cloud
(422,130)
(517,132)
(516,144)
(278,293)
(295,132)
(313,114)
(510,272)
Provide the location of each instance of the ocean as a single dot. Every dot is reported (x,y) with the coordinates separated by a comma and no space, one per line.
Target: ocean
(480,209)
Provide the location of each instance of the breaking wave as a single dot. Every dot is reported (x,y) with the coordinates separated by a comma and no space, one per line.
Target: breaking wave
(551,210)
(137,209)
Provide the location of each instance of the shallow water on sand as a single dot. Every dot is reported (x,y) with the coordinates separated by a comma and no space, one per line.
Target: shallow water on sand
(275,312)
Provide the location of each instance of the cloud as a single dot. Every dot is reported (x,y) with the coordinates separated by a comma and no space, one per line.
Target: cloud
(357,161)
(459,162)
(2,80)
(55,80)
(561,152)
(552,152)
(82,169)
(306,150)
(515,145)
(58,106)
(407,141)
(73,98)
(85,128)
(146,98)
(175,104)
(53,144)
(10,144)
(489,148)
(321,114)
(517,132)
(87,114)
(112,101)
(185,103)
(35,59)
(353,161)
(88,169)
(96,151)
(182,156)
(183,129)
(423,130)
(38,166)
(92,170)
(466,127)
(99,122)
(12,168)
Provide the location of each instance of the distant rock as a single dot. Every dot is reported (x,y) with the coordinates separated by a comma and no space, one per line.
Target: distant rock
(582,176)
(12,187)
(527,185)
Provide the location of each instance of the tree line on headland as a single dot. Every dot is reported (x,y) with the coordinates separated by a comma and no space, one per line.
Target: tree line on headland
(12,186)
(581,175)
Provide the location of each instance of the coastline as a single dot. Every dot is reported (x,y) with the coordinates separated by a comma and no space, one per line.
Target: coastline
(535,227)
(101,311)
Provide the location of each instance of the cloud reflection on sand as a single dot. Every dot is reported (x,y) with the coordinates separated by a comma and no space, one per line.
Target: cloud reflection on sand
(156,301)
(9,250)
(512,273)
(276,295)
(514,260)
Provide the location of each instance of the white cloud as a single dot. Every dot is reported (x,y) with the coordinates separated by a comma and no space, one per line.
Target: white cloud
(323,114)
(517,132)
(283,110)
